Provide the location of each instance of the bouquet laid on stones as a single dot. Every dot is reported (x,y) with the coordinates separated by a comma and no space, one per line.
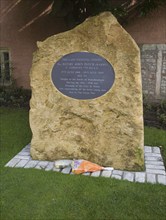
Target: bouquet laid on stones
(80,166)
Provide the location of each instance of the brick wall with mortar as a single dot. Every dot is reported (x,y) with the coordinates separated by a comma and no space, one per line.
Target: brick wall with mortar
(22,23)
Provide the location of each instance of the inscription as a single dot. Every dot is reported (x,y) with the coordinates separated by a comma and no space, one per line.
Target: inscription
(83,75)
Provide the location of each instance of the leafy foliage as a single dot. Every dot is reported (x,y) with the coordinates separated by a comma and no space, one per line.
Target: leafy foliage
(14,97)
(76,11)
(155,114)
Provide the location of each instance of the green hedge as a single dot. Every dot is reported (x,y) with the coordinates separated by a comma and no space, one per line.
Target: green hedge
(14,97)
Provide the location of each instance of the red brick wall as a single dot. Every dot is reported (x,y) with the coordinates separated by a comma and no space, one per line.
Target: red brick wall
(23,22)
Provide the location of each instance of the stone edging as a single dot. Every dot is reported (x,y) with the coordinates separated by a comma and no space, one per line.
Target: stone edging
(154,167)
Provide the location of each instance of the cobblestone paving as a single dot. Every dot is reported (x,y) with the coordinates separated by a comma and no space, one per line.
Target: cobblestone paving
(154,167)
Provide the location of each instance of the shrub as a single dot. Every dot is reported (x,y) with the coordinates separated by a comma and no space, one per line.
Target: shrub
(155,114)
(14,97)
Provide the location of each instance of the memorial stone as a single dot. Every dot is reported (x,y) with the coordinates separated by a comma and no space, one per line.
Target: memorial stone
(87,96)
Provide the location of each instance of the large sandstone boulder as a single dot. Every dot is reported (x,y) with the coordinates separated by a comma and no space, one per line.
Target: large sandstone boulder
(107,130)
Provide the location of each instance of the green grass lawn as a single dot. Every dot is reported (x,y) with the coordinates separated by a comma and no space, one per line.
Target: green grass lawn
(39,195)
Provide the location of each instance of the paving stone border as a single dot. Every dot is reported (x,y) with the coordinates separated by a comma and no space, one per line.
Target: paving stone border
(154,167)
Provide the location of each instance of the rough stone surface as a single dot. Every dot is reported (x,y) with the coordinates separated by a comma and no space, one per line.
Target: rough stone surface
(107,130)
(117,172)
(140,177)
(21,163)
(161,179)
(42,165)
(149,166)
(128,176)
(153,158)
(151,178)
(12,162)
(50,166)
(152,155)
(116,176)
(22,157)
(148,149)
(96,174)
(156,171)
(152,162)
(66,170)
(156,150)
(62,163)
(31,164)
(24,153)
(106,173)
